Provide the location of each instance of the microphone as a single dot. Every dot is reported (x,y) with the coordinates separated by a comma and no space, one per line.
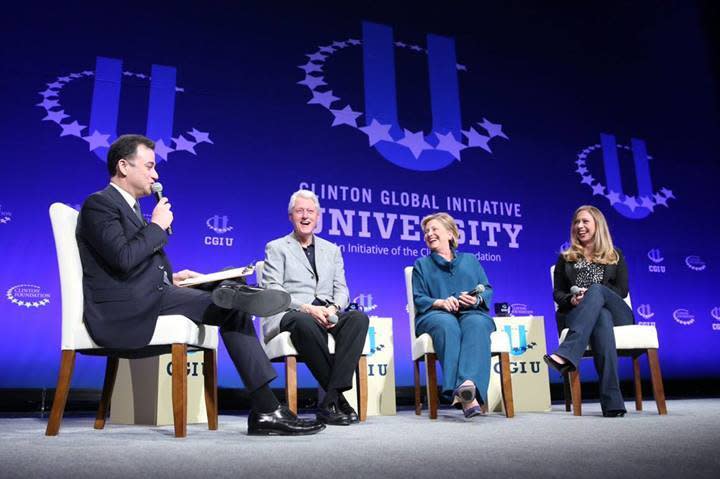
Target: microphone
(477,290)
(575,290)
(332,318)
(157,189)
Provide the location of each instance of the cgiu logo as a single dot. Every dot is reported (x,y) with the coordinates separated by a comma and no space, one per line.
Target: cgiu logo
(109,78)
(645,311)
(715,313)
(518,339)
(413,150)
(695,263)
(683,316)
(365,301)
(633,207)
(220,225)
(656,257)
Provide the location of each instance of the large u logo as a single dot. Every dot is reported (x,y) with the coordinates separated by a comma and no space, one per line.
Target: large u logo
(106,101)
(613,177)
(381,98)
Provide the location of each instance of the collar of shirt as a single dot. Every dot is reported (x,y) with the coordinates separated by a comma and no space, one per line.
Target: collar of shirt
(127,196)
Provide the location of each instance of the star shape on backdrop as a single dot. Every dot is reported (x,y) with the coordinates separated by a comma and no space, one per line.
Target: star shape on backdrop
(346,116)
(415,142)
(448,143)
(376,131)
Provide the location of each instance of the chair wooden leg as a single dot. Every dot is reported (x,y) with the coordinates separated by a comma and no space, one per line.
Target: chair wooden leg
(432,388)
(111,368)
(418,401)
(67,363)
(567,395)
(210,374)
(506,380)
(179,388)
(291,382)
(362,388)
(657,382)
(638,383)
(575,392)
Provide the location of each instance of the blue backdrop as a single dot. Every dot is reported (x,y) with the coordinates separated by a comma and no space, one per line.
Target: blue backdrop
(508,117)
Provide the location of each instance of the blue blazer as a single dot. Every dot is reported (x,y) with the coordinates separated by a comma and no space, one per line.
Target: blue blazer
(123,269)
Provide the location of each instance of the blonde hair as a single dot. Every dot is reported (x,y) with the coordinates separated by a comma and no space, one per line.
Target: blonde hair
(448,223)
(603,248)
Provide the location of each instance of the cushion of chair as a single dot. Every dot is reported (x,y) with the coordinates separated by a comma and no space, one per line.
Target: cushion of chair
(281,345)
(169,329)
(176,328)
(423,344)
(634,336)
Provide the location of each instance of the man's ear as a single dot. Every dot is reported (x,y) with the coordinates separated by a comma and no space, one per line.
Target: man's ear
(122,167)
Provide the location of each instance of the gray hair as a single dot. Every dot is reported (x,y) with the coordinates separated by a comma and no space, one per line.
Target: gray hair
(307,194)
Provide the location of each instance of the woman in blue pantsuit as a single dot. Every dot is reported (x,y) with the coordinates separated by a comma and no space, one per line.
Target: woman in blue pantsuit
(591,280)
(452,295)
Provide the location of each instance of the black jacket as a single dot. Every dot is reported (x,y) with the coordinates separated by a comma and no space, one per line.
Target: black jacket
(615,277)
(123,269)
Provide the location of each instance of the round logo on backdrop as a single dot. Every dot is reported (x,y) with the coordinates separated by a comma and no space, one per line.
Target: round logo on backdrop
(5,216)
(683,316)
(695,263)
(27,296)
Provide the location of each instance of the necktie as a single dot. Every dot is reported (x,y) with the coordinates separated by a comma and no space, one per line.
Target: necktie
(138,213)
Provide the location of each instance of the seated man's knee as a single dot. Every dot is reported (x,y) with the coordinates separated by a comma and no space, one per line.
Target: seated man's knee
(359,319)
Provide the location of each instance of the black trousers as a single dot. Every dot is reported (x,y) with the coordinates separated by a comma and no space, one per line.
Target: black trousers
(311,341)
(236,330)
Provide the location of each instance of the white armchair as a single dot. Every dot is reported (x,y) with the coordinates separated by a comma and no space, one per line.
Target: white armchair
(281,349)
(633,340)
(423,350)
(173,333)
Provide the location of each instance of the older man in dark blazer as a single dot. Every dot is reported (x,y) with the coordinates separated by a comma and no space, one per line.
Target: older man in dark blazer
(311,269)
(128,282)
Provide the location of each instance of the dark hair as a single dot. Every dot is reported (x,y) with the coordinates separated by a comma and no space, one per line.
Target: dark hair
(125,147)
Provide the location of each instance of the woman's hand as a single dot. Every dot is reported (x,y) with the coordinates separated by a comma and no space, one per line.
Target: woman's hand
(451,304)
(577,298)
(466,300)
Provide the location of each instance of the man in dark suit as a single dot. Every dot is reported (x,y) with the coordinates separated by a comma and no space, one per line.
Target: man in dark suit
(128,282)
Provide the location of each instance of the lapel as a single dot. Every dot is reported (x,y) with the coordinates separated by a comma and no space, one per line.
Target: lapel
(297,251)
(115,195)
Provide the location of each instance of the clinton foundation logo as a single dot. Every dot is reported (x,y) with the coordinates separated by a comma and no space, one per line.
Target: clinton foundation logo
(219,225)
(656,259)
(414,150)
(683,316)
(695,263)
(636,206)
(101,124)
(5,216)
(27,296)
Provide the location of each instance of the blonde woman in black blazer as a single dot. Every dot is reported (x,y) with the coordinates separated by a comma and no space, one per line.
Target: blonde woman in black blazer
(591,280)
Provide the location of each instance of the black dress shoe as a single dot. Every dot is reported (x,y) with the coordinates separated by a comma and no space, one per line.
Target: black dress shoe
(614,413)
(281,422)
(255,301)
(563,368)
(345,408)
(331,416)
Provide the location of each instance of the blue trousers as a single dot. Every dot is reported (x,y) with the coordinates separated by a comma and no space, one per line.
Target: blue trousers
(591,322)
(462,344)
